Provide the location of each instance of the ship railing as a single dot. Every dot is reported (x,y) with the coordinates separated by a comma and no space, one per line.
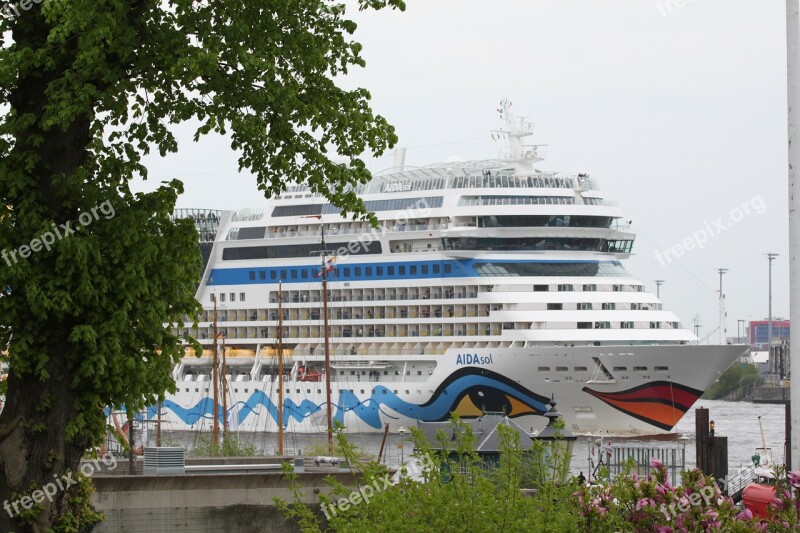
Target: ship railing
(353,231)
(735,484)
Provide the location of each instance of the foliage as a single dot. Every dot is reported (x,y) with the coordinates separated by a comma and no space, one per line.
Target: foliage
(739,377)
(460,494)
(230,446)
(88,88)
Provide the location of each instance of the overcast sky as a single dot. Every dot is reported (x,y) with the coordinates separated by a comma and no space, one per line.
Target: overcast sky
(676,107)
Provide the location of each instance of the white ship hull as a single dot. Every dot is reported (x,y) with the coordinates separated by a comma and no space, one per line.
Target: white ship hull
(643,402)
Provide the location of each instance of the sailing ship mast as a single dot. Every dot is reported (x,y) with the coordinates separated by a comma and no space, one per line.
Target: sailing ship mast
(327,342)
(280,368)
(224,392)
(215,379)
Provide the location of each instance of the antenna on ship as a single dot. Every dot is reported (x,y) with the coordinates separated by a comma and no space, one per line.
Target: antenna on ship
(516,129)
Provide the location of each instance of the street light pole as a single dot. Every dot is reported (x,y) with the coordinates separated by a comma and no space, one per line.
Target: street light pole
(402,432)
(723,329)
(659,283)
(770,258)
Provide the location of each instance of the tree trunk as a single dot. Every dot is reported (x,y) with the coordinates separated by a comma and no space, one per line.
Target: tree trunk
(37,459)
(34,452)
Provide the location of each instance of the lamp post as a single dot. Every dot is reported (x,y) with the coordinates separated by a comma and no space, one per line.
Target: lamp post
(723,329)
(559,443)
(402,432)
(770,258)
(659,283)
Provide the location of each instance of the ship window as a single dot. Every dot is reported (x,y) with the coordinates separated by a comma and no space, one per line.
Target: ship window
(584,325)
(304,273)
(583,306)
(661,369)
(297,250)
(212,296)
(626,325)
(620,369)
(401,270)
(655,325)
(555,307)
(379,271)
(541,288)
(347,272)
(241,296)
(436,269)
(448,269)
(412,270)
(589,288)
(368,271)
(565,287)
(544,369)
(640,369)
(273,274)
(609,306)
(391,205)
(424,269)
(390,270)
(294,274)
(562,369)
(222,297)
(357,271)
(252,274)
(602,325)
(581,369)
(297,210)
(262,274)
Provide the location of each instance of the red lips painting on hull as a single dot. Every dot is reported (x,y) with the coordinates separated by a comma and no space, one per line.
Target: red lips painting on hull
(661,403)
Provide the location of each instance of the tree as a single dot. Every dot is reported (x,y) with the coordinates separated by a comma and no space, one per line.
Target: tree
(96,277)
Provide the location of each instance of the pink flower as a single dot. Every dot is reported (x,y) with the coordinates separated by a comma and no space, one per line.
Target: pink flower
(644,502)
(794,479)
(661,490)
(656,463)
(747,514)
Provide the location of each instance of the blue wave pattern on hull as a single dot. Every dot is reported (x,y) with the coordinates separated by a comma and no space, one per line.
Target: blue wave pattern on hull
(458,386)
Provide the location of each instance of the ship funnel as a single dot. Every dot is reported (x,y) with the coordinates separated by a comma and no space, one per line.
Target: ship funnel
(399,158)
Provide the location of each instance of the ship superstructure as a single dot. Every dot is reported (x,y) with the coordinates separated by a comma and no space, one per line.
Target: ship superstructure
(488,286)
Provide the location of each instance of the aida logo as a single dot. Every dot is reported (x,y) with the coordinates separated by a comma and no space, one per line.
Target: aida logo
(473,359)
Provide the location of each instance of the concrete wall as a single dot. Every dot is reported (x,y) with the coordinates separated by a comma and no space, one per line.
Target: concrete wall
(225,503)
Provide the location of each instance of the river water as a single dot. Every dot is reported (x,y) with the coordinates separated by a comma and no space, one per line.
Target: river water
(736,420)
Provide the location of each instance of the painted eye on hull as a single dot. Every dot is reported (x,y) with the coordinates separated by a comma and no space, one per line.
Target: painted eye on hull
(475,402)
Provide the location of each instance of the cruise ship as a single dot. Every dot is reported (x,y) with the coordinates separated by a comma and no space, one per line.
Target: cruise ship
(489,286)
